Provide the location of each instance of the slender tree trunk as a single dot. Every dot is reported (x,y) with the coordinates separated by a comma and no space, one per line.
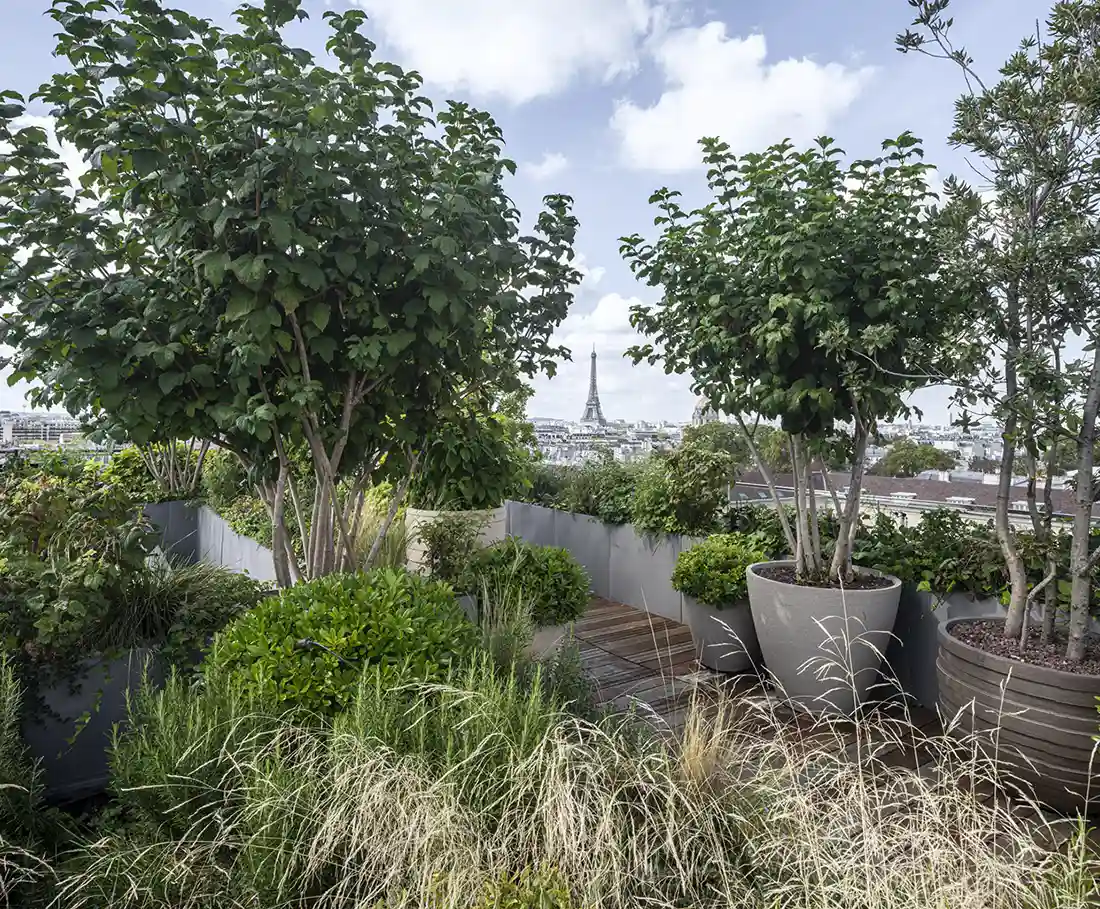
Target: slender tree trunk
(849,520)
(1080,563)
(1017,572)
(766,473)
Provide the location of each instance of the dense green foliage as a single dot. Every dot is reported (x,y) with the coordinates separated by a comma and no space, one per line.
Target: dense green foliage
(713,571)
(814,300)
(683,492)
(306,647)
(71,546)
(239,265)
(450,542)
(602,488)
(545,578)
(471,462)
(906,458)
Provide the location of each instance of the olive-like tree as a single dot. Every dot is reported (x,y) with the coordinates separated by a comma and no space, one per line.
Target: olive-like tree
(1029,234)
(806,292)
(268,253)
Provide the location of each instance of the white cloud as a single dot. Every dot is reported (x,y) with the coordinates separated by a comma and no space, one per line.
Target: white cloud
(717,85)
(552,164)
(627,392)
(514,50)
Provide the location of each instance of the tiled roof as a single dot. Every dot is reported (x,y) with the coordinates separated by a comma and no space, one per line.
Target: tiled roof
(926,491)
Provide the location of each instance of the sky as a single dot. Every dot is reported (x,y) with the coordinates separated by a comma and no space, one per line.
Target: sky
(605,100)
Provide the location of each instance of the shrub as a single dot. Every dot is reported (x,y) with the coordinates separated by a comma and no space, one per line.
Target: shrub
(603,488)
(306,647)
(224,479)
(473,462)
(451,544)
(713,572)
(549,483)
(683,492)
(127,470)
(547,577)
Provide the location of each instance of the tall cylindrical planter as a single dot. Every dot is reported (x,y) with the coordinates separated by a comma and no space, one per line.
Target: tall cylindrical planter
(491,520)
(822,645)
(725,639)
(1038,722)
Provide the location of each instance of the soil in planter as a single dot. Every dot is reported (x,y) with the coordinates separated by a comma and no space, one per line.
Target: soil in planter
(785,574)
(988,635)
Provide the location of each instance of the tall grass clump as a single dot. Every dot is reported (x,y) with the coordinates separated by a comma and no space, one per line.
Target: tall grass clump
(435,794)
(24,825)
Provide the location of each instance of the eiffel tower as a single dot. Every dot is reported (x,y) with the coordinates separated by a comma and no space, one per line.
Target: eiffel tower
(592,411)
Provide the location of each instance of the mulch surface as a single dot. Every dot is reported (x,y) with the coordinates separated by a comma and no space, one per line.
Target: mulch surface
(988,635)
(786,575)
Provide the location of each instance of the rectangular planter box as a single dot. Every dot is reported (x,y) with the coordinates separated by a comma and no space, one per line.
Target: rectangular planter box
(178,524)
(588,540)
(641,571)
(81,769)
(532,523)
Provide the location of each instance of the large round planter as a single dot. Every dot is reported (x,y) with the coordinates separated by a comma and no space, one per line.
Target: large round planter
(823,646)
(491,521)
(725,639)
(1044,720)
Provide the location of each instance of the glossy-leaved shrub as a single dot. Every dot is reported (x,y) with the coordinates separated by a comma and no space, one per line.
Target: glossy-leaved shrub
(307,647)
(547,578)
(713,572)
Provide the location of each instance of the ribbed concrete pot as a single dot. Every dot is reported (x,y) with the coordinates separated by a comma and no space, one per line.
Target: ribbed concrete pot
(491,520)
(1046,719)
(725,639)
(822,646)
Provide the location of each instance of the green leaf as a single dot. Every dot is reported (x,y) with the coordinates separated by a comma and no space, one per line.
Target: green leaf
(170,381)
(345,261)
(319,315)
(282,230)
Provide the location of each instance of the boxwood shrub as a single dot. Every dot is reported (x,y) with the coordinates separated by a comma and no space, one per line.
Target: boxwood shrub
(713,572)
(547,577)
(307,647)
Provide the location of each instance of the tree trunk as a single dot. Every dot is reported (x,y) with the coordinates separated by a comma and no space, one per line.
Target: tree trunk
(842,555)
(1017,573)
(1080,565)
(766,473)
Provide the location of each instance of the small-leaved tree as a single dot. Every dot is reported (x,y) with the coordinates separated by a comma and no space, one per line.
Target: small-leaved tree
(805,292)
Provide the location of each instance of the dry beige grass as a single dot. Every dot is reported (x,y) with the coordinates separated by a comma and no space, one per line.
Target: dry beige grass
(740,812)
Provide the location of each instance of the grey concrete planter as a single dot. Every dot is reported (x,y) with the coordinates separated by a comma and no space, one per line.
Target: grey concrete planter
(911,656)
(81,769)
(725,639)
(822,646)
(1045,720)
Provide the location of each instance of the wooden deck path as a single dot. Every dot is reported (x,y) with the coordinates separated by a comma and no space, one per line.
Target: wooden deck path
(636,659)
(640,658)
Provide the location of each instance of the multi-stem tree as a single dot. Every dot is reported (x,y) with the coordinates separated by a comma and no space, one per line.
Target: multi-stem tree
(1029,238)
(267,253)
(806,292)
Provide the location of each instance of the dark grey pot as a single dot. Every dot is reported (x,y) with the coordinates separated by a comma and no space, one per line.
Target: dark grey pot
(1046,719)
(82,768)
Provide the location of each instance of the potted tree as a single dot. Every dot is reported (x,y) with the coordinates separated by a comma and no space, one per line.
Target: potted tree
(806,293)
(1031,245)
(711,577)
